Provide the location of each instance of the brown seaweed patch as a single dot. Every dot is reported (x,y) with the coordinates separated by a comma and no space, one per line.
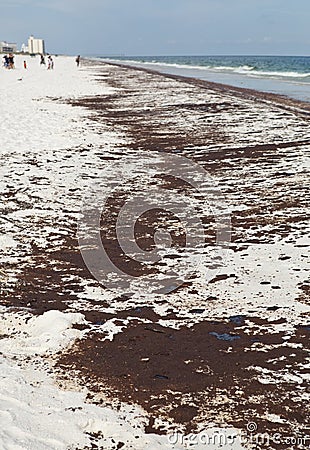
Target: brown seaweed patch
(206,371)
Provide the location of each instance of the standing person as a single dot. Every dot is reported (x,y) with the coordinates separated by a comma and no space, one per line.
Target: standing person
(11,61)
(25,65)
(42,61)
(50,65)
(78,60)
(6,61)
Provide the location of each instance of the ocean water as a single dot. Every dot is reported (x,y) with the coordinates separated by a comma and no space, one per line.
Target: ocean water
(286,75)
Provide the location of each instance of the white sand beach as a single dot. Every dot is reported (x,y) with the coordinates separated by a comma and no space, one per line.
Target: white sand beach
(52,149)
(35,412)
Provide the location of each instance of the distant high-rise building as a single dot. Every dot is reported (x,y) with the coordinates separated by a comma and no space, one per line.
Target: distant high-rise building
(24,48)
(8,47)
(36,46)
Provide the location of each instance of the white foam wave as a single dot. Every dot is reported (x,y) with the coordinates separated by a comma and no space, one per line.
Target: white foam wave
(281,74)
(232,68)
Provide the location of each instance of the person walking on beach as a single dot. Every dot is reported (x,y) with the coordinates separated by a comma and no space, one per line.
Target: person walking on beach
(11,61)
(50,65)
(25,65)
(6,61)
(42,60)
(78,60)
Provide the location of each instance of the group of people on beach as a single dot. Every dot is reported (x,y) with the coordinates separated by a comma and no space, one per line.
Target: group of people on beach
(8,61)
(50,62)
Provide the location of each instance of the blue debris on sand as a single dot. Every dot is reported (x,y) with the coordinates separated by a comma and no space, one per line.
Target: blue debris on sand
(238,320)
(161,377)
(224,336)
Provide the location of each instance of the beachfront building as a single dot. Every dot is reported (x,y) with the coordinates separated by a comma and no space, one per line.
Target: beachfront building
(8,47)
(36,46)
(24,48)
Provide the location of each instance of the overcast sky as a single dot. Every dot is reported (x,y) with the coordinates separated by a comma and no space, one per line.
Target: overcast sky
(160,27)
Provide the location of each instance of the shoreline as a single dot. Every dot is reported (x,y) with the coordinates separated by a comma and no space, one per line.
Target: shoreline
(284,101)
(237,344)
